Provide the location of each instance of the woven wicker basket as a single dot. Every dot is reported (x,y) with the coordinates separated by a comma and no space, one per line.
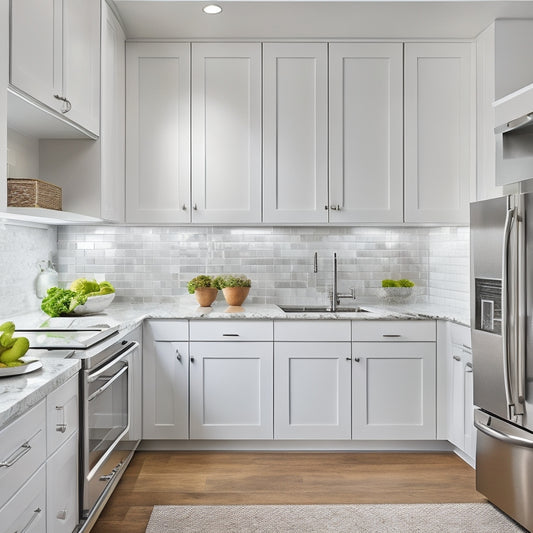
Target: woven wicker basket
(29,192)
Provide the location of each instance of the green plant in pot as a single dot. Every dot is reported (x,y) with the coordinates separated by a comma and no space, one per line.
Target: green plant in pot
(204,288)
(234,288)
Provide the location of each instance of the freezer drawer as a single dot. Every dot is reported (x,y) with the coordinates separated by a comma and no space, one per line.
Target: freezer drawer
(504,462)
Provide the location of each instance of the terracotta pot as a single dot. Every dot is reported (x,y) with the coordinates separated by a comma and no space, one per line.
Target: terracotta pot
(206,296)
(235,295)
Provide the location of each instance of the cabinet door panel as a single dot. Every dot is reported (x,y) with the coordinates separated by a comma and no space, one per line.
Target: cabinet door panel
(438,130)
(295,172)
(366,132)
(394,391)
(165,390)
(226,149)
(157,132)
(36,64)
(81,62)
(312,390)
(231,390)
(62,488)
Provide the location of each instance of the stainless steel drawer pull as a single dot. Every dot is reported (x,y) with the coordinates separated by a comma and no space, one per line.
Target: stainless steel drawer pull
(230,334)
(15,456)
(32,519)
(391,335)
(178,355)
(456,357)
(61,426)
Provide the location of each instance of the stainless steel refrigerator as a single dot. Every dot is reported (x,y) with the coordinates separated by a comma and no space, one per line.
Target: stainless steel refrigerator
(501,233)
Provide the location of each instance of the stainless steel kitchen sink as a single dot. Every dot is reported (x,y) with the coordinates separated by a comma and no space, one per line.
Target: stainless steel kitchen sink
(320,309)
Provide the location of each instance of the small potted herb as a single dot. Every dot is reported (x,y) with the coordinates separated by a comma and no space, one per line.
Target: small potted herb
(204,288)
(235,288)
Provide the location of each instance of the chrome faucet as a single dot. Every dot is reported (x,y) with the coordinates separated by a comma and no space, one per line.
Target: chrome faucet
(335,296)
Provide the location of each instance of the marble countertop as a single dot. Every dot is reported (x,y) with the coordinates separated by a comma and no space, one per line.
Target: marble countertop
(20,393)
(127,315)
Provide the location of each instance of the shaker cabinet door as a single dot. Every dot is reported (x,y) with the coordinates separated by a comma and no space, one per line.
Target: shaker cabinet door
(231,390)
(366,132)
(312,390)
(157,132)
(226,132)
(165,390)
(439,155)
(394,390)
(295,133)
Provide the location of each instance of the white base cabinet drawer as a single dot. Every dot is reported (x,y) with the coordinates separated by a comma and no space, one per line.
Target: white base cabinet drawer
(312,330)
(231,330)
(26,510)
(22,450)
(62,414)
(62,488)
(394,331)
(167,330)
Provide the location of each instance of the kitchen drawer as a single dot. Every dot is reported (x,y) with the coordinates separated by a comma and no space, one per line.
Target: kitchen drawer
(168,330)
(231,330)
(394,330)
(62,414)
(26,510)
(312,330)
(460,335)
(23,448)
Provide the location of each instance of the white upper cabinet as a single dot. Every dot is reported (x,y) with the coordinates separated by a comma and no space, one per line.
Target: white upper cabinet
(91,172)
(55,56)
(438,132)
(158,132)
(226,132)
(365,132)
(295,136)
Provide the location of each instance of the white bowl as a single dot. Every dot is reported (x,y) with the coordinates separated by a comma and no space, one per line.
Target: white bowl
(94,304)
(397,295)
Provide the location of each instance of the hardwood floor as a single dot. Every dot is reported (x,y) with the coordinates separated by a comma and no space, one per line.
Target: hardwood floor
(211,478)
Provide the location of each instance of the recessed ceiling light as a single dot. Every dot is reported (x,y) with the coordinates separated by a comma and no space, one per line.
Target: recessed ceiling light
(212,9)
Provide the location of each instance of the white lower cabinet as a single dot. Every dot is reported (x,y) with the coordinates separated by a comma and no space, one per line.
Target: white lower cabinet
(231,392)
(39,453)
(393,391)
(165,380)
(461,431)
(62,488)
(312,390)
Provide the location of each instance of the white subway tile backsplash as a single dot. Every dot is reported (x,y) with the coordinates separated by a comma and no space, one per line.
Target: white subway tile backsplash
(147,263)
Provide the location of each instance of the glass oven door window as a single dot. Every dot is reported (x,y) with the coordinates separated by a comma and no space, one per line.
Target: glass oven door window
(107,410)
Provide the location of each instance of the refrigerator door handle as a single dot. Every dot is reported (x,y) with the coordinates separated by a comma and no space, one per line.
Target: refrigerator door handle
(504,437)
(509,220)
(521,311)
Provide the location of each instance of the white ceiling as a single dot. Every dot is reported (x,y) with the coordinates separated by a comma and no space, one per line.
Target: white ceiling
(256,19)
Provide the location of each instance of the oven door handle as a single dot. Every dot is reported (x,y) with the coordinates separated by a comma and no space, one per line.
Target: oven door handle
(94,376)
(108,384)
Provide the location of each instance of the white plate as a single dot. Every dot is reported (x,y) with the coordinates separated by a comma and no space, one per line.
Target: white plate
(26,368)
(94,304)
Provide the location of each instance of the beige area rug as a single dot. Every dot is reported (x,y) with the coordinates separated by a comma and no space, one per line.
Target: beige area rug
(383,518)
